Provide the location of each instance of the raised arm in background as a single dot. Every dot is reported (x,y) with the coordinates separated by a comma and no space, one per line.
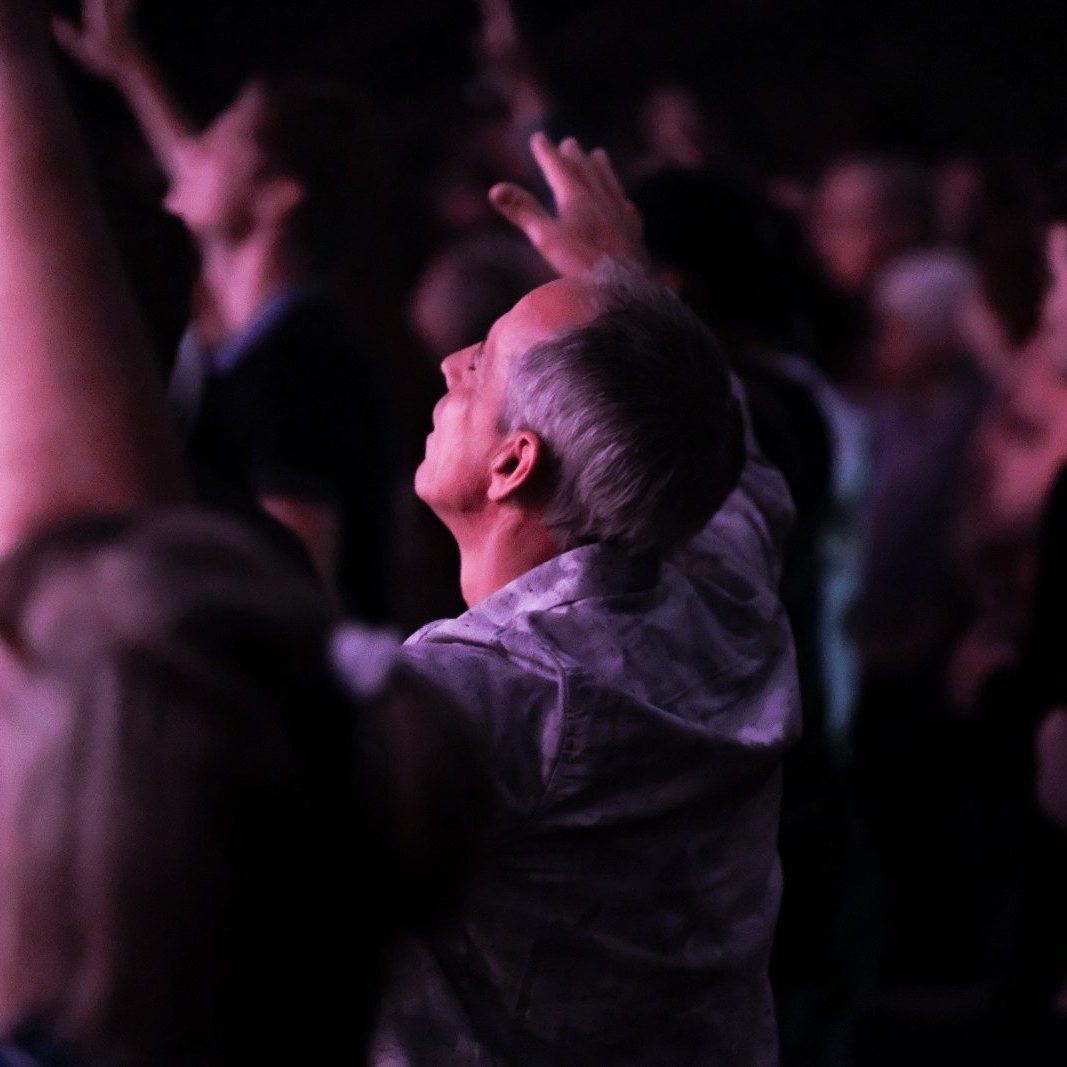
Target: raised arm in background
(238,278)
(106,45)
(81,415)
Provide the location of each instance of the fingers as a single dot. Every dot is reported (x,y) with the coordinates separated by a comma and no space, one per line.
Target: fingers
(521,209)
(68,37)
(594,216)
(595,170)
(582,167)
(571,150)
(558,167)
(569,170)
(606,174)
(607,181)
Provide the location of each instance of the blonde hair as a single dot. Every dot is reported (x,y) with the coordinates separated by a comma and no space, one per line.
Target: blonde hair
(181,830)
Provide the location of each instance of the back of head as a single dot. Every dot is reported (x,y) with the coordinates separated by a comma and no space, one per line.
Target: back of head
(178,811)
(636,411)
(323,136)
(929,291)
(921,299)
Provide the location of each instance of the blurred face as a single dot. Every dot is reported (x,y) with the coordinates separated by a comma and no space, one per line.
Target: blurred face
(847,229)
(454,475)
(435,312)
(219,173)
(674,127)
(1024,447)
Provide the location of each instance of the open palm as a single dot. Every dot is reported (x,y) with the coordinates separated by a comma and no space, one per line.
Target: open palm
(103,38)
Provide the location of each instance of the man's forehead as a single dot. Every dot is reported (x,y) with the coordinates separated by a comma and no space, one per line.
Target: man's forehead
(546,311)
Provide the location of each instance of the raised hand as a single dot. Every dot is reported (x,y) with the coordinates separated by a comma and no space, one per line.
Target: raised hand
(105,44)
(593,217)
(104,41)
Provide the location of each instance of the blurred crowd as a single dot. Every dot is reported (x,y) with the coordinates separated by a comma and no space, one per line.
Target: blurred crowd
(899,324)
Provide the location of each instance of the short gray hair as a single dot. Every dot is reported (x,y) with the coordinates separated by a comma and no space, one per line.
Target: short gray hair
(635,409)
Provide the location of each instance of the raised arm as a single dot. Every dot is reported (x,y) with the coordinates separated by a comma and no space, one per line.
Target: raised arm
(593,219)
(81,415)
(106,45)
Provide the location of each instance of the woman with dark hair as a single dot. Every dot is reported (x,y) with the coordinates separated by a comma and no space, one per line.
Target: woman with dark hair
(206,843)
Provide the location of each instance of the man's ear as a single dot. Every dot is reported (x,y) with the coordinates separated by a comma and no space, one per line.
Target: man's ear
(279,198)
(515,465)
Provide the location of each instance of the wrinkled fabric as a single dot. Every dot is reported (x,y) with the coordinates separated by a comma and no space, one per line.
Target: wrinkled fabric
(636,715)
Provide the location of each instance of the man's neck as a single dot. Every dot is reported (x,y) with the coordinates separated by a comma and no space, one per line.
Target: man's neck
(495,553)
(242,277)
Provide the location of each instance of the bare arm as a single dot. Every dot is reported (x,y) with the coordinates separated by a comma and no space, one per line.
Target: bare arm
(106,45)
(81,415)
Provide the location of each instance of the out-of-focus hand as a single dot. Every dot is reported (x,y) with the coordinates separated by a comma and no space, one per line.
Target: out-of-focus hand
(593,217)
(104,41)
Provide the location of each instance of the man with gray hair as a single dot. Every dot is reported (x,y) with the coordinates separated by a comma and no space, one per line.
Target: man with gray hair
(636,706)
(627,661)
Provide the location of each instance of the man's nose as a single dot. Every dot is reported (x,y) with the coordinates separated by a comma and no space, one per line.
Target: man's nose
(452,366)
(448,369)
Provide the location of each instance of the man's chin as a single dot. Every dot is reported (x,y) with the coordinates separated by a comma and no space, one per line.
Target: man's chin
(424,484)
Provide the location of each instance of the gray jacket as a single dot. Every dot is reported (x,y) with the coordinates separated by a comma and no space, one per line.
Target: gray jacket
(637,715)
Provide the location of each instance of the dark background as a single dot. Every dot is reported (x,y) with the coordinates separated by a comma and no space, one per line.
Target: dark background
(791,81)
(785,87)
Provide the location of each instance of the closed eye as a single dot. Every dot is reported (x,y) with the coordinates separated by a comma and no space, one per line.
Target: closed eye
(476,357)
